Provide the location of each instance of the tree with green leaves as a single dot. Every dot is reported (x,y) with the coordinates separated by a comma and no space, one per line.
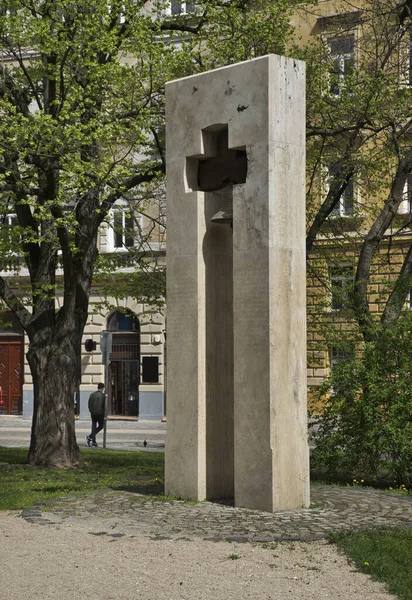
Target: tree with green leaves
(82,121)
(358,131)
(81,107)
(359,223)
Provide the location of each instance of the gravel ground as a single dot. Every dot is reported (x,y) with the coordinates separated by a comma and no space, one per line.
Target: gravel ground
(69,561)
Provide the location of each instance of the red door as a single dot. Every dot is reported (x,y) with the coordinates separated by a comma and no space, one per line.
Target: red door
(11,374)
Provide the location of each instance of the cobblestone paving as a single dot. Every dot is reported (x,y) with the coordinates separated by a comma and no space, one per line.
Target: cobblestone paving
(119,513)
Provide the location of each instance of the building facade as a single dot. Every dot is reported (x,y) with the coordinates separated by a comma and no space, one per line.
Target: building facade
(135,374)
(358,170)
(133,368)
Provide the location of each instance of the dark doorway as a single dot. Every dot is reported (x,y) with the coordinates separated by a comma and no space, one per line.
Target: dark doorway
(124,367)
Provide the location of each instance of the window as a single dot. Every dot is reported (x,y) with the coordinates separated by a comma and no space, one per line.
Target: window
(405,206)
(341,283)
(345,206)
(409,74)
(9,221)
(7,224)
(122,229)
(342,53)
(181,8)
(123,322)
(6,26)
(150,369)
(405,63)
(337,355)
(342,382)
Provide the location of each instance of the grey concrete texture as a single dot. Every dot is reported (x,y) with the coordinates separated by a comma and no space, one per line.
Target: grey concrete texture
(237,415)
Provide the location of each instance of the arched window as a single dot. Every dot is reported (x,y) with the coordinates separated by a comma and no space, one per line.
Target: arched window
(120,321)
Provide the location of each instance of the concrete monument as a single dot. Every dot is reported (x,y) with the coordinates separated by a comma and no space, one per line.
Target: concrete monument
(236,306)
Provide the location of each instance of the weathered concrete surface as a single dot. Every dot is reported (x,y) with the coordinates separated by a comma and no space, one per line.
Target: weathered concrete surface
(236,301)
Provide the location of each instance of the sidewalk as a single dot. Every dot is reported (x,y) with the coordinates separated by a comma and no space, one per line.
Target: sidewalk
(121,435)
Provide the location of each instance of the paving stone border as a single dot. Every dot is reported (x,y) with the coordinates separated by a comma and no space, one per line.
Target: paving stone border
(121,513)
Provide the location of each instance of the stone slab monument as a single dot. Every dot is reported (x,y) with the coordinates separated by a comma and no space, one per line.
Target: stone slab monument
(236,305)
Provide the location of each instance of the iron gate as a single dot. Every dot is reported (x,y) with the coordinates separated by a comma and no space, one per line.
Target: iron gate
(124,375)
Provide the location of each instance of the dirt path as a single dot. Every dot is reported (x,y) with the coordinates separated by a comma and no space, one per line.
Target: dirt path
(71,562)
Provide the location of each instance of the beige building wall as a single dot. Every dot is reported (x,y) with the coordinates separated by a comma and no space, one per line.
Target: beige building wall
(152,344)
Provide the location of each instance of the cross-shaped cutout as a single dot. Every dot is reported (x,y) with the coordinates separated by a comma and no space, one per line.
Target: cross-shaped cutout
(222,167)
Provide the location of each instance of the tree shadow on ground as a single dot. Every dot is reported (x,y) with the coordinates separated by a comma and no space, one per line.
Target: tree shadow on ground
(151,488)
(156,488)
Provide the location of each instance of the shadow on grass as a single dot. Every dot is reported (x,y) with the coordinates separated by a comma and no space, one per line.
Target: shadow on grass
(21,484)
(10,456)
(146,489)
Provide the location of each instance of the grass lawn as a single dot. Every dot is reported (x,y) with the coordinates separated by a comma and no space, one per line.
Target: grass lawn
(22,485)
(384,555)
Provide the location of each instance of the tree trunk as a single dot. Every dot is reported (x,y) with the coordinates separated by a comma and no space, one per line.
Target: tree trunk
(54,370)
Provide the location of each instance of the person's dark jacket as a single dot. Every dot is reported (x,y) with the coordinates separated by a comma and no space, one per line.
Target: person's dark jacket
(96,403)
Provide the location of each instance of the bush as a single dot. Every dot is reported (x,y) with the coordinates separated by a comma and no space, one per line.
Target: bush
(366,425)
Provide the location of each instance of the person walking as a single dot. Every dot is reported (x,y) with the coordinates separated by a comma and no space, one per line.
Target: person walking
(97,401)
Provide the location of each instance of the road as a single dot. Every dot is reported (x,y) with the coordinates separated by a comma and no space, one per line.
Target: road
(121,435)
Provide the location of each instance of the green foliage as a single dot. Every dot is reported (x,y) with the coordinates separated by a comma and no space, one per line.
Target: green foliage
(243,30)
(81,131)
(81,100)
(82,105)
(22,485)
(365,428)
(357,142)
(146,282)
(384,555)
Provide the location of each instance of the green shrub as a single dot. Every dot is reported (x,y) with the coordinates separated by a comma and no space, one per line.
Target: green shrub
(366,426)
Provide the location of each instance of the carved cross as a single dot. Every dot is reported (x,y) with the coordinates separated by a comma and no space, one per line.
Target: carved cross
(227,167)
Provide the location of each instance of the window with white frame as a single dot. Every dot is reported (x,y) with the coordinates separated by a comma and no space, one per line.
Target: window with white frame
(342,53)
(181,8)
(338,356)
(341,284)
(346,203)
(123,230)
(6,14)
(409,73)
(8,222)
(405,207)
